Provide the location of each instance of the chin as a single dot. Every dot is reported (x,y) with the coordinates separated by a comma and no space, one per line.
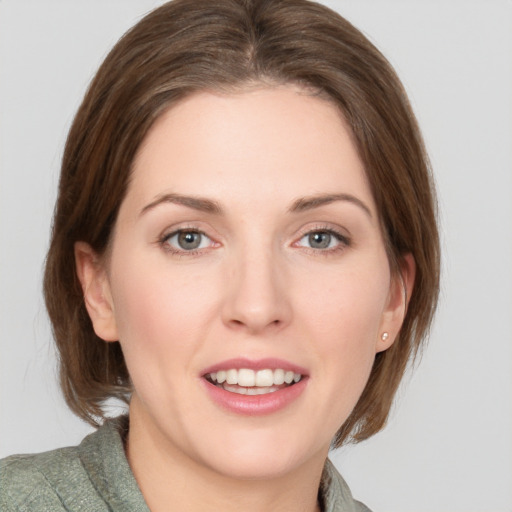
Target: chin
(261,455)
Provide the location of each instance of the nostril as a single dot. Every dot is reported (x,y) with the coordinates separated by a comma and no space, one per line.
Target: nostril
(254,324)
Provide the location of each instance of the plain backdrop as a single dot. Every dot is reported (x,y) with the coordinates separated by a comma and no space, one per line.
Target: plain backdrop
(448,445)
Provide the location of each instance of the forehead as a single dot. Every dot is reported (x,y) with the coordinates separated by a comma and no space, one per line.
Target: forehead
(274,143)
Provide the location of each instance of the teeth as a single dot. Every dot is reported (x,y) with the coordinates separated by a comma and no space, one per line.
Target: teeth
(263,379)
(278,377)
(232,376)
(246,378)
(250,391)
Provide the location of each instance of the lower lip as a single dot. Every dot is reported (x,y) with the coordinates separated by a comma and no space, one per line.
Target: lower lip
(252,405)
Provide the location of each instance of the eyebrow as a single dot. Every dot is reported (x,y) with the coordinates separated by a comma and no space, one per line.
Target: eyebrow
(196,203)
(310,202)
(299,205)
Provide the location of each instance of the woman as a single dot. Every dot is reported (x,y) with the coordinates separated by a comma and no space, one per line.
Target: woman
(245,249)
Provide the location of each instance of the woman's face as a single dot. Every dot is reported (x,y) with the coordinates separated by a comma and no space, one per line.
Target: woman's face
(246,256)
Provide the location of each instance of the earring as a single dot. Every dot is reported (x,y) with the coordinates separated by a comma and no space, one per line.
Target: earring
(385,336)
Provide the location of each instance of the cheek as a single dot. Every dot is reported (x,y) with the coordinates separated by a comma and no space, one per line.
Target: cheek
(159,313)
(349,309)
(160,319)
(344,322)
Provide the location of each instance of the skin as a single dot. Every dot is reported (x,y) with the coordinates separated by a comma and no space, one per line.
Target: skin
(256,288)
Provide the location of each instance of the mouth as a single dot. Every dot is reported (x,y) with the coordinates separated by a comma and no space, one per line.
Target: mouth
(255,387)
(245,381)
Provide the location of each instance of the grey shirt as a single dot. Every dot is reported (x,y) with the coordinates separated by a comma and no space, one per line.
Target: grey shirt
(95,477)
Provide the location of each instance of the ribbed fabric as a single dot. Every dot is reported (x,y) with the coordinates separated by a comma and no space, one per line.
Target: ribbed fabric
(95,477)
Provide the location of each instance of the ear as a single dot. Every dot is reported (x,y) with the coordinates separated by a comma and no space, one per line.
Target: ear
(400,290)
(96,289)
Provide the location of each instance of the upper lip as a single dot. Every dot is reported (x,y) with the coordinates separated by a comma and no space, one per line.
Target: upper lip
(255,364)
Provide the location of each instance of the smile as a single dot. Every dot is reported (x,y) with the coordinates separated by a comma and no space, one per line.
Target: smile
(245,381)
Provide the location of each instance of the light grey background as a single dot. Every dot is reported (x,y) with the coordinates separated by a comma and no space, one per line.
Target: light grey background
(448,446)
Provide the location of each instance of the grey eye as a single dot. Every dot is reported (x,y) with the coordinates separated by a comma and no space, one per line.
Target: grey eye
(323,239)
(186,240)
(319,240)
(189,240)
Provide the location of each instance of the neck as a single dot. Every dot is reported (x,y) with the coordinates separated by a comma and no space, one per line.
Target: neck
(171,480)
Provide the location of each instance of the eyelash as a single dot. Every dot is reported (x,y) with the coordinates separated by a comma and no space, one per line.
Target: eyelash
(343,241)
(164,242)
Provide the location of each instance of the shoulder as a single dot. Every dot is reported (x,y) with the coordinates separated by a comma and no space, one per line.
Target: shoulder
(33,482)
(61,480)
(336,494)
(94,476)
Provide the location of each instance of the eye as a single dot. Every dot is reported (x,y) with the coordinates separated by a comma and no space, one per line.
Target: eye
(186,240)
(324,239)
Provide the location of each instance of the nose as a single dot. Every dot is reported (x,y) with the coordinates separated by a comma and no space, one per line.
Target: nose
(257,296)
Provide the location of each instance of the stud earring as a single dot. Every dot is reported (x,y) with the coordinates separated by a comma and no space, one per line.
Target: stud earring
(385,336)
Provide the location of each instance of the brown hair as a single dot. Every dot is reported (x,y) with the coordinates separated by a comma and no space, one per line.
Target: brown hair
(192,45)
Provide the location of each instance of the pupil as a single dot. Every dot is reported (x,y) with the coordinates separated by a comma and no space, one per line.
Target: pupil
(189,240)
(320,240)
